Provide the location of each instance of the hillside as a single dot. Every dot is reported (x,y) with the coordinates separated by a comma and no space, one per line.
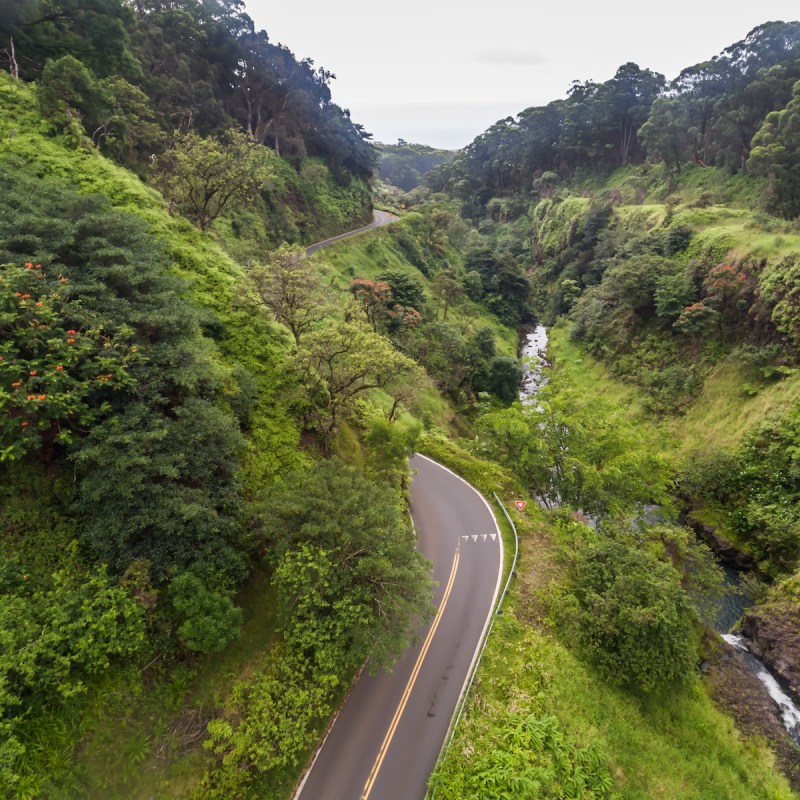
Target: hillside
(155,404)
(204,528)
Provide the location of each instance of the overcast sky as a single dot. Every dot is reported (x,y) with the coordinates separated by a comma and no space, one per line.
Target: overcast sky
(440,72)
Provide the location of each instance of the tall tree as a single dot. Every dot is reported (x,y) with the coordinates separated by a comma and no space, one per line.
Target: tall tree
(205,177)
(290,286)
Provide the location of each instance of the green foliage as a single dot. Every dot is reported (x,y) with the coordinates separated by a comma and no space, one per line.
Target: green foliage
(353,581)
(60,362)
(631,618)
(135,399)
(505,376)
(204,177)
(208,620)
(341,364)
(528,756)
(349,584)
(776,147)
(291,288)
(56,637)
(568,450)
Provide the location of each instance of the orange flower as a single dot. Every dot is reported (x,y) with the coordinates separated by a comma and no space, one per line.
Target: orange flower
(40,303)
(62,280)
(59,368)
(70,341)
(42,396)
(28,265)
(33,372)
(17,383)
(72,331)
(23,424)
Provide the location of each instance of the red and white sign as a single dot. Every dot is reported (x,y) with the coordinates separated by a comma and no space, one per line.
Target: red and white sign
(520,504)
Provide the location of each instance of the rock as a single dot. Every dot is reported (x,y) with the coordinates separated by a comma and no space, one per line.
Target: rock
(773,631)
(725,550)
(738,692)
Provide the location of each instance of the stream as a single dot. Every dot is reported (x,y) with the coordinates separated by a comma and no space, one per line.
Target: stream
(533,354)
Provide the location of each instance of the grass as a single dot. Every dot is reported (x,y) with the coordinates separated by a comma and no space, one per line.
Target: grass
(147,743)
(589,375)
(718,417)
(680,748)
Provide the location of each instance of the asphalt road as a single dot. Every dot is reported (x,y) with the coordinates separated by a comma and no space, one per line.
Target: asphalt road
(390,730)
(379,218)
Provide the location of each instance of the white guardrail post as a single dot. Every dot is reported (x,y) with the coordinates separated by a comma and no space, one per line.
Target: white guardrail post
(498,610)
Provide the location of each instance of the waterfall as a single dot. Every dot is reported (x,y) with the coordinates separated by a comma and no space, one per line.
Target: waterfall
(790,714)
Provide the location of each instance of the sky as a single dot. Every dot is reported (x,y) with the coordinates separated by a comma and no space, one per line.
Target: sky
(441,72)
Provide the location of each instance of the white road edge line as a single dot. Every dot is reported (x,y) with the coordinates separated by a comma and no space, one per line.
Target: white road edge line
(490,615)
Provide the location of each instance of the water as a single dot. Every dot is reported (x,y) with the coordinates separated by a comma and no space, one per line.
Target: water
(735,602)
(789,711)
(533,362)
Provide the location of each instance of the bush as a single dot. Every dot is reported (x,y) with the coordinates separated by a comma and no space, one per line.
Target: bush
(631,618)
(208,620)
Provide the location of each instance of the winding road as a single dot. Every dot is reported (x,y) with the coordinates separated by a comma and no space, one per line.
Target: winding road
(387,737)
(379,218)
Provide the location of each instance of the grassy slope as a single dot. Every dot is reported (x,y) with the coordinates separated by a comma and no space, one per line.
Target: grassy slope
(720,416)
(143,744)
(215,280)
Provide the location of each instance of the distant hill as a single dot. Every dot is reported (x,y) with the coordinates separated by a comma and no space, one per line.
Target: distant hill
(404,165)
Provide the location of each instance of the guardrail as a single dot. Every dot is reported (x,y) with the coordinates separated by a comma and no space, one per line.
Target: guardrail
(498,610)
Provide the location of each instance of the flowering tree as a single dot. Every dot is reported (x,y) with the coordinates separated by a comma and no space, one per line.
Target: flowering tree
(374,298)
(59,363)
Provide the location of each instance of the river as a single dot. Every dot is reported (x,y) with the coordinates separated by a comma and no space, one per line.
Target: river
(533,354)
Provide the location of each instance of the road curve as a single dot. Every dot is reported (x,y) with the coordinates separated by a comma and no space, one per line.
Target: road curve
(379,218)
(390,730)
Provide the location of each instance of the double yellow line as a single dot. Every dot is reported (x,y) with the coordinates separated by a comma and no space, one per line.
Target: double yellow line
(373,775)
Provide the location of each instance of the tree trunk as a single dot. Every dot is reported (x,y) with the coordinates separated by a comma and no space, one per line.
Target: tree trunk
(13,66)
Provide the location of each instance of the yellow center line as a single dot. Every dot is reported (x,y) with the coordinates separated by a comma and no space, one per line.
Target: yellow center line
(411,681)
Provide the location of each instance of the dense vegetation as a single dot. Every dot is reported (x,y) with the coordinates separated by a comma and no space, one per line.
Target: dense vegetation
(404,165)
(205,432)
(172,89)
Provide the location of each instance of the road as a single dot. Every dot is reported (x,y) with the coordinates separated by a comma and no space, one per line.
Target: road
(379,218)
(390,730)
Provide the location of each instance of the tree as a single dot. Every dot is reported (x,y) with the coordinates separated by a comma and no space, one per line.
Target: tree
(341,364)
(68,96)
(374,299)
(776,157)
(205,177)
(569,453)
(505,377)
(631,618)
(291,287)
(349,580)
(447,288)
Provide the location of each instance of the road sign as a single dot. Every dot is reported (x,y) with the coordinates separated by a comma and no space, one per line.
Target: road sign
(520,504)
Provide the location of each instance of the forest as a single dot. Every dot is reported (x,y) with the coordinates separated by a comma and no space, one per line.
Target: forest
(204,431)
